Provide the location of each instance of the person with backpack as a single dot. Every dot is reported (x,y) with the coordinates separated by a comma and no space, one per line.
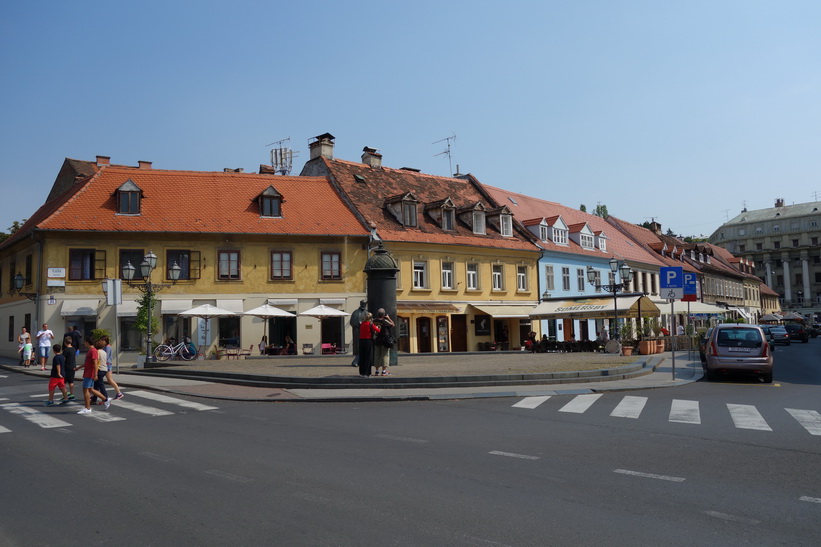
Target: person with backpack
(367,333)
(383,343)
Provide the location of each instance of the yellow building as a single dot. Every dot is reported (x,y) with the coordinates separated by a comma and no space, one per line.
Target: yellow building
(467,276)
(239,240)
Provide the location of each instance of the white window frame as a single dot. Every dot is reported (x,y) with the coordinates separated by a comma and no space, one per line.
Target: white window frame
(565,278)
(447,275)
(580,278)
(586,241)
(506,225)
(479,222)
(498,277)
(521,278)
(448,219)
(543,234)
(559,236)
(420,274)
(472,276)
(549,277)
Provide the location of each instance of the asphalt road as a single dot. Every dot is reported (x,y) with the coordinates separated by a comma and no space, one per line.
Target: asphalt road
(632,468)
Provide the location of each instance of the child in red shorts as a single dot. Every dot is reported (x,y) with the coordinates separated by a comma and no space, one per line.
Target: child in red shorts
(57,380)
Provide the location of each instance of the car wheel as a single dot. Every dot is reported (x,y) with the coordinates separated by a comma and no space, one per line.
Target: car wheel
(768,378)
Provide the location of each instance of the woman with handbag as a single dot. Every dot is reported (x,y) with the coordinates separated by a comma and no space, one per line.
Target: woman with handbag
(384,342)
(367,332)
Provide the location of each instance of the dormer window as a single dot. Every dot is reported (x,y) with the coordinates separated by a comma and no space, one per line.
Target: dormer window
(559,236)
(270,203)
(506,225)
(129,196)
(478,222)
(586,241)
(701,257)
(409,213)
(543,229)
(404,208)
(693,255)
(602,242)
(448,219)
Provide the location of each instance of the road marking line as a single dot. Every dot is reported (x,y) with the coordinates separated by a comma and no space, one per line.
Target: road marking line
(732,518)
(531,402)
(648,475)
(171,400)
(136,407)
(229,476)
(102,416)
(809,499)
(684,412)
(4,430)
(629,407)
(157,457)
(747,417)
(512,455)
(809,419)
(580,403)
(403,439)
(35,416)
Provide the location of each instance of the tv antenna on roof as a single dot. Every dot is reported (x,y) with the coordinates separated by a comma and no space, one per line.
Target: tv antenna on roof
(447,151)
(282,157)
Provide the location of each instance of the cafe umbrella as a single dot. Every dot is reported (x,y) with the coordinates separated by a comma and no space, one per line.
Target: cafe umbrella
(206,312)
(323,312)
(267,311)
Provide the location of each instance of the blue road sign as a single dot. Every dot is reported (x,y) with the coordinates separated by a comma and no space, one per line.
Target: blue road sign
(690,283)
(672,277)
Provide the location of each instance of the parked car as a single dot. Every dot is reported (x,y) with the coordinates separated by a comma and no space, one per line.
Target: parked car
(797,332)
(702,345)
(780,335)
(738,348)
(768,335)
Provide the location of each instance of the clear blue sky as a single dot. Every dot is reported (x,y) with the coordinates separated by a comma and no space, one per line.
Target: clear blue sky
(682,111)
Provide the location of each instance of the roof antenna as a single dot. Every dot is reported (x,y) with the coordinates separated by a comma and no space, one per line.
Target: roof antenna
(282,157)
(447,151)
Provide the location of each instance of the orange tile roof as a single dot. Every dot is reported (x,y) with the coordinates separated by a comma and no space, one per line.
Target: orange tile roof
(527,207)
(200,202)
(377,184)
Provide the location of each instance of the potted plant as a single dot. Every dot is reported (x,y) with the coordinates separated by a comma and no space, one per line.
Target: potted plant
(627,338)
(647,345)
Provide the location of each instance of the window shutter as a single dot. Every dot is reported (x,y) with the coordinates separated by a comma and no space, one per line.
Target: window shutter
(194,265)
(99,264)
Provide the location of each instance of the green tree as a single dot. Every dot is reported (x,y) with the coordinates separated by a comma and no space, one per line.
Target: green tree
(142,315)
(16,225)
(601,211)
(583,208)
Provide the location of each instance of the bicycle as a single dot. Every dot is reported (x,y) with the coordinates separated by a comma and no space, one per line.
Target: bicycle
(184,350)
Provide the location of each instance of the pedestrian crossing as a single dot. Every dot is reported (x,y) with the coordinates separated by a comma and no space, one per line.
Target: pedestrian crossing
(682,411)
(60,416)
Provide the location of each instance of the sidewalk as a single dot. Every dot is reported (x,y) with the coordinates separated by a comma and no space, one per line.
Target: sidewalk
(417,377)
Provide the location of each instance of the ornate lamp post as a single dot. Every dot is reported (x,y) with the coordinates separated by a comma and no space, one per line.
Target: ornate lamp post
(626,275)
(19,281)
(147,287)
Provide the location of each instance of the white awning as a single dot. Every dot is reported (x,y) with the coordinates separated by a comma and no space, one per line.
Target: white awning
(80,308)
(332,301)
(127,309)
(175,306)
(695,308)
(230,305)
(506,312)
(283,302)
(744,313)
(632,306)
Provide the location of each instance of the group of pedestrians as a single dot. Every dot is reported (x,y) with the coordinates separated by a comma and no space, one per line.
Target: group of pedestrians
(372,353)
(97,371)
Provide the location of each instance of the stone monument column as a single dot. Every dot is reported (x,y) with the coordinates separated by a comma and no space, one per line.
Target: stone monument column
(381,272)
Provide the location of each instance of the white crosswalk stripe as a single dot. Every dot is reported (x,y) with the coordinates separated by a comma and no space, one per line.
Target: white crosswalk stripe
(171,400)
(4,430)
(143,409)
(531,402)
(580,403)
(35,416)
(809,419)
(684,412)
(629,407)
(103,415)
(747,417)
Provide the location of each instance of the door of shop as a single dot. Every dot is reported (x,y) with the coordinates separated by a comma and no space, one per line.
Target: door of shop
(423,335)
(458,332)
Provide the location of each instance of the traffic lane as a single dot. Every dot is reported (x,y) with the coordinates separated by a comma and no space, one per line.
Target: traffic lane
(798,363)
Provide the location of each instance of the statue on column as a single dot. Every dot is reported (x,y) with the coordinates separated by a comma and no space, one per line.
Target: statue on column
(357,317)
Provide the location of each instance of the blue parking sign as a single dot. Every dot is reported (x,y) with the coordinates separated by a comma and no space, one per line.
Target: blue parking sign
(672,277)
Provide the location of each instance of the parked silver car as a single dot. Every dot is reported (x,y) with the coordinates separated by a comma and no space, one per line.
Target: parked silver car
(738,348)
(780,335)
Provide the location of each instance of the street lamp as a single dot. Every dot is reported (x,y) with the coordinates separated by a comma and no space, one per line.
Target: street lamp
(19,281)
(626,275)
(147,287)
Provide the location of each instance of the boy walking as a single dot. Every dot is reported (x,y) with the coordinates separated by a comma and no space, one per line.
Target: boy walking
(89,376)
(70,355)
(57,380)
(27,350)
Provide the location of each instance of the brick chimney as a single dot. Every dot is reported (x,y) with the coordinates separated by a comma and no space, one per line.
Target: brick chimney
(322,146)
(144,164)
(655,227)
(103,160)
(779,202)
(371,157)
